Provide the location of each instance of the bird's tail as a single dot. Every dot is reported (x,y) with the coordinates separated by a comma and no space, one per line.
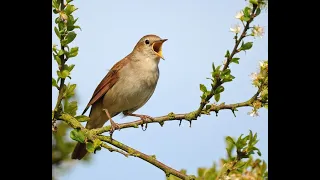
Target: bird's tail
(79,151)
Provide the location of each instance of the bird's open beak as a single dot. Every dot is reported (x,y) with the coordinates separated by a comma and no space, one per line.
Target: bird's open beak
(157,47)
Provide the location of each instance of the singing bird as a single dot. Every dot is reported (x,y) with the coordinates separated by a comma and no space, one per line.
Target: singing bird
(127,87)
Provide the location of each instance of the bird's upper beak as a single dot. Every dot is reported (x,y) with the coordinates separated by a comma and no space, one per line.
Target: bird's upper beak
(157,47)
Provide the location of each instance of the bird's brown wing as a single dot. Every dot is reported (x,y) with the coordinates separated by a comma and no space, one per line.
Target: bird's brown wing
(107,82)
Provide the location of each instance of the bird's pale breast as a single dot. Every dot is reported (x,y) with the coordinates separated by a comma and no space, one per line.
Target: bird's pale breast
(136,85)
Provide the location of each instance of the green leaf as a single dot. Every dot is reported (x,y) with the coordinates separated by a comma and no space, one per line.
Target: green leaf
(55,4)
(218,68)
(69,1)
(246,46)
(60,25)
(258,151)
(219,90)
(69,67)
(69,38)
(213,67)
(246,11)
(254,2)
(57,58)
(73,52)
(203,88)
(258,11)
(91,147)
(228,78)
(245,19)
(77,27)
(235,60)
(69,9)
(228,138)
(60,52)
(70,90)
(77,135)
(217,97)
(54,83)
(82,118)
(227,54)
(70,23)
(71,107)
(65,73)
(57,32)
(225,72)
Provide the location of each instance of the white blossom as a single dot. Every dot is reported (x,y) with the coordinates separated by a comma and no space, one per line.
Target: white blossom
(236,29)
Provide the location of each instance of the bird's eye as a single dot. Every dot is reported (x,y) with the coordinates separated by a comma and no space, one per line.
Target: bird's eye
(147,41)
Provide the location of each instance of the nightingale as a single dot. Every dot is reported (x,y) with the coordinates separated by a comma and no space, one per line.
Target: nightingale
(127,87)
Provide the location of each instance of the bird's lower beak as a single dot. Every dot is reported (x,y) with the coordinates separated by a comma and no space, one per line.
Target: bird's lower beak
(157,47)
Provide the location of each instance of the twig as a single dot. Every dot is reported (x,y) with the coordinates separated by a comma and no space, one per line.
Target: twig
(218,81)
(133,152)
(60,96)
(111,149)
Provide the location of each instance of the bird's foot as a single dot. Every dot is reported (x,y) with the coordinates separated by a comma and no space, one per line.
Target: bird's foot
(114,126)
(144,119)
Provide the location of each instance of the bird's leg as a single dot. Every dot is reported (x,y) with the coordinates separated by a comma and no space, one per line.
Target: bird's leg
(114,125)
(141,116)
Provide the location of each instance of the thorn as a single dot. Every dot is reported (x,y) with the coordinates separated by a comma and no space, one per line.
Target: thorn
(180,123)
(216,113)
(233,112)
(145,128)
(190,123)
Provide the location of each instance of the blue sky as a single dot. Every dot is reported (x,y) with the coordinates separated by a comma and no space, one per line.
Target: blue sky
(198,33)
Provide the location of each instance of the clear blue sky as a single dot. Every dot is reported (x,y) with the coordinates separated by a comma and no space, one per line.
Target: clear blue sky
(198,33)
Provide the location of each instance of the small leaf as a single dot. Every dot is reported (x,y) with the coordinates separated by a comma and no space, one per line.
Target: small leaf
(217,97)
(225,72)
(213,67)
(82,118)
(235,60)
(228,138)
(246,46)
(258,11)
(245,19)
(63,74)
(77,135)
(69,68)
(246,12)
(57,32)
(227,54)
(77,27)
(258,151)
(203,88)
(70,90)
(69,38)
(60,52)
(218,68)
(219,90)
(69,1)
(71,107)
(73,52)
(54,83)
(57,58)
(254,2)
(90,147)
(69,9)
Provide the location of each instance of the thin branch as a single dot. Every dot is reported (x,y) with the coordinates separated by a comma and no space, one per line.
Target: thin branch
(62,57)
(133,152)
(186,116)
(218,81)
(111,149)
